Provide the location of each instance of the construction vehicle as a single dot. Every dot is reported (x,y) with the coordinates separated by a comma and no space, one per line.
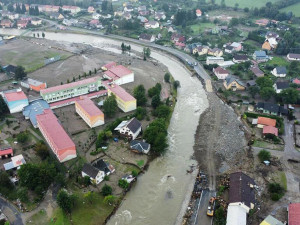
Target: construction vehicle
(211,206)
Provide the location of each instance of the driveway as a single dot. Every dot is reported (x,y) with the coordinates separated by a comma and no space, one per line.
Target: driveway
(11,212)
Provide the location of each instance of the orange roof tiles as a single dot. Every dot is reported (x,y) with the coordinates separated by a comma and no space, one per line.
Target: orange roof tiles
(266,121)
(270,130)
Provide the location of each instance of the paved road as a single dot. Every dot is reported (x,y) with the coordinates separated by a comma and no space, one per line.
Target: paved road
(202,218)
(13,215)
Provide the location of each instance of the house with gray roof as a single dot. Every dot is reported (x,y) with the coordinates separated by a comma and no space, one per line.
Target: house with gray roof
(260,56)
(139,146)
(95,175)
(234,84)
(279,71)
(281,85)
(130,129)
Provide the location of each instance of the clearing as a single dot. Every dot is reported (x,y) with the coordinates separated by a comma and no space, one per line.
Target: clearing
(245,3)
(295,9)
(201,27)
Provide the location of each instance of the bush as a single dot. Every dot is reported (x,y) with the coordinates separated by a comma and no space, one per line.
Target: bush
(167,77)
(106,178)
(134,173)
(123,184)
(264,155)
(275,197)
(22,137)
(276,191)
(106,190)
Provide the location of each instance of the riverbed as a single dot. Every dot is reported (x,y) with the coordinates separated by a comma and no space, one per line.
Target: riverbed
(159,196)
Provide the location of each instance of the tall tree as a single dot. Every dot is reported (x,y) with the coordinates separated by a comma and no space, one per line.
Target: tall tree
(110,106)
(139,93)
(65,201)
(20,73)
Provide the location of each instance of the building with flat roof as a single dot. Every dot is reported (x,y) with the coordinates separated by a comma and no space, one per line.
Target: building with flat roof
(119,75)
(57,138)
(66,91)
(33,84)
(6,152)
(89,112)
(35,108)
(125,101)
(236,215)
(15,99)
(294,214)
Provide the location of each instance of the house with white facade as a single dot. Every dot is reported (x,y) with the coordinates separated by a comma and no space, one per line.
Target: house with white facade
(119,75)
(131,128)
(220,73)
(93,173)
(279,71)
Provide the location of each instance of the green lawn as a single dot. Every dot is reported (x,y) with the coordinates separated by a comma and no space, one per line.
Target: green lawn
(246,3)
(279,61)
(200,27)
(266,145)
(292,8)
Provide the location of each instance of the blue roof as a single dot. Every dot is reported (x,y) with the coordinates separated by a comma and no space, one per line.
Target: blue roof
(35,108)
(260,53)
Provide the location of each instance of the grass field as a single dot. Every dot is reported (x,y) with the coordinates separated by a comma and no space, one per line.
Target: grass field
(295,9)
(279,61)
(246,3)
(200,27)
(268,146)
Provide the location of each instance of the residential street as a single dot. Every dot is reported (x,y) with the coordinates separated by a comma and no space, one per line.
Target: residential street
(13,215)
(202,218)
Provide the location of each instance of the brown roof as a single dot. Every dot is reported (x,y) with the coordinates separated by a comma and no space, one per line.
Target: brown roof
(220,70)
(240,189)
(257,71)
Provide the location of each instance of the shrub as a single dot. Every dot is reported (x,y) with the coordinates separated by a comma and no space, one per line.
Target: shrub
(264,155)
(123,184)
(106,190)
(106,178)
(22,137)
(134,173)
(276,191)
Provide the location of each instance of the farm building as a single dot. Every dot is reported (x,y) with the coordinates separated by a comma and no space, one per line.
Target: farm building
(33,84)
(125,101)
(15,99)
(65,91)
(89,112)
(119,75)
(57,138)
(35,108)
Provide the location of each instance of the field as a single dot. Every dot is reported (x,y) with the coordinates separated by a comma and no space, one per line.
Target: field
(279,61)
(27,54)
(295,9)
(246,3)
(199,28)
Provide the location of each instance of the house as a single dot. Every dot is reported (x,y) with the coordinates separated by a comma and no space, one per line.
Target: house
(179,45)
(91,9)
(270,130)
(201,50)
(279,71)
(119,75)
(15,100)
(55,135)
(70,22)
(9,69)
(293,57)
(270,108)
(220,73)
(130,129)
(6,23)
(257,72)
(229,49)
(266,46)
(72,9)
(294,214)
(15,163)
(236,215)
(95,23)
(215,52)
(281,85)
(93,173)
(96,16)
(142,19)
(171,29)
(234,84)
(36,22)
(262,22)
(33,84)
(89,112)
(125,101)
(104,166)
(159,16)
(35,108)
(233,47)
(177,38)
(198,13)
(128,8)
(127,15)
(56,16)
(214,60)
(296,81)
(142,8)
(147,37)
(270,220)
(22,24)
(260,56)
(151,24)
(139,146)
(240,58)
(6,152)
(226,64)
(264,121)
(108,66)
(144,12)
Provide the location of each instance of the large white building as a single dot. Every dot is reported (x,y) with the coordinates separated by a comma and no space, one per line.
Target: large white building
(119,75)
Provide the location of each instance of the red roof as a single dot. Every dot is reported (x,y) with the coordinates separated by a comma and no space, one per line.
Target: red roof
(15,96)
(58,137)
(6,151)
(296,81)
(270,130)
(118,72)
(220,70)
(179,44)
(95,22)
(110,65)
(120,92)
(294,214)
(70,85)
(89,106)
(266,121)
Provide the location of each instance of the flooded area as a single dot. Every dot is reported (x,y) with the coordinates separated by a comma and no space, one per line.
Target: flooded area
(161,195)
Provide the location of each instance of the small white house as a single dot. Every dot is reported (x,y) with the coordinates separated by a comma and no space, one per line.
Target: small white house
(293,57)
(236,214)
(279,71)
(221,73)
(95,174)
(152,25)
(130,129)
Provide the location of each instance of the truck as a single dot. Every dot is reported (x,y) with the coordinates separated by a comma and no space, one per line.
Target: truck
(211,206)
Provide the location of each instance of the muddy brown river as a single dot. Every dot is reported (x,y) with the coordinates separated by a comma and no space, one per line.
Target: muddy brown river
(156,199)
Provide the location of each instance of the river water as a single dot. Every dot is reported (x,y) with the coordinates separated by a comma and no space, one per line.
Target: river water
(156,199)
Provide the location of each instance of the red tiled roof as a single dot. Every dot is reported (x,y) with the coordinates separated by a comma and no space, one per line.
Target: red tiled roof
(6,151)
(15,96)
(120,92)
(89,106)
(70,85)
(55,132)
(294,214)
(95,22)
(220,70)
(118,72)
(296,81)
(266,121)
(270,130)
